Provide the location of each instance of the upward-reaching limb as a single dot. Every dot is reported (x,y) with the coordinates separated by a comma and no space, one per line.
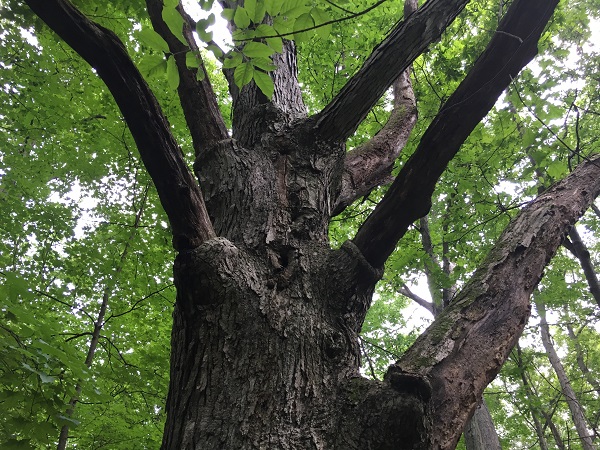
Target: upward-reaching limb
(409,197)
(197,98)
(406,42)
(178,190)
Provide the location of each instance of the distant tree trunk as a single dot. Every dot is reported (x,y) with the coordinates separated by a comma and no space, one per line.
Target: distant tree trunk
(574,406)
(590,378)
(480,432)
(580,251)
(531,397)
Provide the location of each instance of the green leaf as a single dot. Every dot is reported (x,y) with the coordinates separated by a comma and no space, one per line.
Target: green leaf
(264,83)
(153,40)
(241,18)
(556,169)
(233,61)
(304,22)
(175,23)
(276,43)
(243,74)
(170,3)
(273,7)
(265,64)
(320,16)
(259,13)
(215,50)
(172,73)
(257,50)
(250,7)
(191,60)
(152,65)
(206,5)
(201,29)
(228,14)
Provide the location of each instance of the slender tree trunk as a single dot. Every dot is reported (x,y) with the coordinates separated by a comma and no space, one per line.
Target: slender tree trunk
(530,395)
(580,251)
(99,323)
(593,381)
(480,433)
(577,414)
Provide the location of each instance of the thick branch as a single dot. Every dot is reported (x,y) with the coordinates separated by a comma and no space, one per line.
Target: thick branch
(465,347)
(370,165)
(394,55)
(197,98)
(409,197)
(580,251)
(179,193)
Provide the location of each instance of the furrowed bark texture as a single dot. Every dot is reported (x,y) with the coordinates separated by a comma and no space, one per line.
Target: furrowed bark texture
(480,327)
(179,193)
(265,328)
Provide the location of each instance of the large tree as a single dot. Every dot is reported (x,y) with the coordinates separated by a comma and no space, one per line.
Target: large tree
(264,345)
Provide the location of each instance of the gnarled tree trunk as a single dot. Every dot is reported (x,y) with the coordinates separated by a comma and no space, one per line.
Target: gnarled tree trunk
(264,343)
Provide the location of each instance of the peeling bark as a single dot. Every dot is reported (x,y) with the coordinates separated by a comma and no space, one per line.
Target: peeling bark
(481,326)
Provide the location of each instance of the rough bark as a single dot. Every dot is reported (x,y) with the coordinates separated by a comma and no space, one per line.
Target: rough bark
(265,347)
(481,326)
(577,414)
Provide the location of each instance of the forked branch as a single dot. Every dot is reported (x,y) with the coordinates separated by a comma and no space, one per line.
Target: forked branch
(179,192)
(409,197)
(395,54)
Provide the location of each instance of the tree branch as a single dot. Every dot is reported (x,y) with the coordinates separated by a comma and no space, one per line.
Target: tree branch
(580,251)
(404,290)
(179,193)
(370,165)
(395,54)
(197,98)
(409,197)
(481,326)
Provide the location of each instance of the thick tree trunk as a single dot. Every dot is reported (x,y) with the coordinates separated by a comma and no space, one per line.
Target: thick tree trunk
(265,332)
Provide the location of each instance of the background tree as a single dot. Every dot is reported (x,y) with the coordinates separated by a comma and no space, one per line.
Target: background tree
(265,349)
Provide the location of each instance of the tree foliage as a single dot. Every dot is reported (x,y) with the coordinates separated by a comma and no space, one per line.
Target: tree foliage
(85,245)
